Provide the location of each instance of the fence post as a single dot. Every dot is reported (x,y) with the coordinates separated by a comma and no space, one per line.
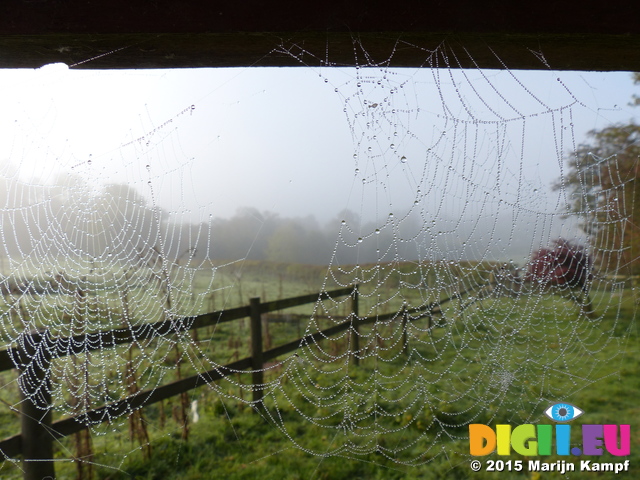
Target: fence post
(405,344)
(355,335)
(36,417)
(256,351)
(517,283)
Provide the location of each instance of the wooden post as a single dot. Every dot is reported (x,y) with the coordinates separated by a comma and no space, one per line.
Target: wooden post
(517,282)
(507,282)
(355,335)
(256,351)
(36,417)
(405,343)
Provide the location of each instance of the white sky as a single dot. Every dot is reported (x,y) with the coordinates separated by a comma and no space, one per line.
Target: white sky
(278,139)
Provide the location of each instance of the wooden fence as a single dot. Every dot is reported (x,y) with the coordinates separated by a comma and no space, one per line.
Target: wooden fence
(35,351)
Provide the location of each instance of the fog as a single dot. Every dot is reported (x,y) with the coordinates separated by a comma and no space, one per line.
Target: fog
(303,165)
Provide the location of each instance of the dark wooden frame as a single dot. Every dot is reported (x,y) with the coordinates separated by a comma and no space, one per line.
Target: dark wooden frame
(110,34)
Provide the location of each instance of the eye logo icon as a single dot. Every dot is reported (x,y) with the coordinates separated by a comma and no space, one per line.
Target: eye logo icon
(563,412)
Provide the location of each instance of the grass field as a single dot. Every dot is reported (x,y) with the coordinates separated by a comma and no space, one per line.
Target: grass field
(415,405)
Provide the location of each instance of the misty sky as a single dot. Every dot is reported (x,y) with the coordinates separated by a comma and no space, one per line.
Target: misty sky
(449,146)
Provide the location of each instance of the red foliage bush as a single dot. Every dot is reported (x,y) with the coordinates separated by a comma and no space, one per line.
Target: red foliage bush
(566,264)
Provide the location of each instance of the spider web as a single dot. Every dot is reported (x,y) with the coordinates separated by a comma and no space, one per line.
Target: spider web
(442,157)
(446,202)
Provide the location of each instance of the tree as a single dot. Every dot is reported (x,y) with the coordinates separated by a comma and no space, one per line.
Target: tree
(565,267)
(566,264)
(245,235)
(602,186)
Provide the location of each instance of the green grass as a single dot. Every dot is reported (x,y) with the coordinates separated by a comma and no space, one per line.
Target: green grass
(594,366)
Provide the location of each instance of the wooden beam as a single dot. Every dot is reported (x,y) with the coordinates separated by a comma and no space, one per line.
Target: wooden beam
(113,34)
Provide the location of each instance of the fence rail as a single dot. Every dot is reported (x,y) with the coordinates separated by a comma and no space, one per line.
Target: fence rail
(35,442)
(9,358)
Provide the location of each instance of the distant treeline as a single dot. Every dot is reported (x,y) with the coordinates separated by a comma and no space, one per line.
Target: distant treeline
(117,222)
(267,236)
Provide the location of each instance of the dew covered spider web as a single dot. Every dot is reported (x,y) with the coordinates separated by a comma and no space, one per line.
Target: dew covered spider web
(475,319)
(483,295)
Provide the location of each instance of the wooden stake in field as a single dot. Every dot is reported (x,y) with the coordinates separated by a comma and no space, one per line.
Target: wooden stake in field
(256,352)
(35,388)
(355,334)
